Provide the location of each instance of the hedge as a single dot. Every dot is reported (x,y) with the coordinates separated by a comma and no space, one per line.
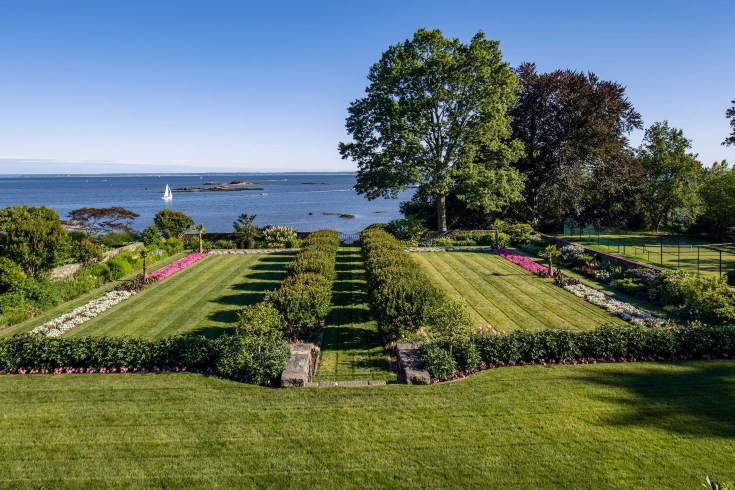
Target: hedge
(606,343)
(231,356)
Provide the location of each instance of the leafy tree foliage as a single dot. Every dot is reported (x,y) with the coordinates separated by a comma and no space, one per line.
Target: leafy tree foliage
(717,191)
(730,114)
(245,231)
(152,237)
(12,276)
(199,230)
(573,127)
(33,238)
(672,197)
(85,251)
(173,224)
(431,105)
(99,221)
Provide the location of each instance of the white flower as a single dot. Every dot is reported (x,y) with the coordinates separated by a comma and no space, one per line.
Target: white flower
(84,313)
(626,311)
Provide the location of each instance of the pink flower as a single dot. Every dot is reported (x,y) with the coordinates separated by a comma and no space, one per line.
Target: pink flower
(520,260)
(180,264)
(123,369)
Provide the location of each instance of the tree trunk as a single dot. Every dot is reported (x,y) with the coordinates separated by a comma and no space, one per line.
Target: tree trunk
(200,243)
(550,267)
(441,211)
(145,268)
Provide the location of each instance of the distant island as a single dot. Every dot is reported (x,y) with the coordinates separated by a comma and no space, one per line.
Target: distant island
(218,188)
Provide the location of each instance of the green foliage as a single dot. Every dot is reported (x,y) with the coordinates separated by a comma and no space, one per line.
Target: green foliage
(672,199)
(261,323)
(448,322)
(278,235)
(730,114)
(313,261)
(245,232)
(294,243)
(518,233)
(629,286)
(717,190)
(172,246)
(119,266)
(582,259)
(246,358)
(437,361)
(85,251)
(173,224)
(34,238)
(12,276)
(708,300)
(152,237)
(224,244)
(115,239)
(397,140)
(304,301)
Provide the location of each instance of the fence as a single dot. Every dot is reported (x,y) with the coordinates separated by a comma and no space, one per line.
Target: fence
(348,238)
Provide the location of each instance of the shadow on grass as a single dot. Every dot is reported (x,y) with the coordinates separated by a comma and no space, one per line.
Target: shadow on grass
(210,331)
(689,398)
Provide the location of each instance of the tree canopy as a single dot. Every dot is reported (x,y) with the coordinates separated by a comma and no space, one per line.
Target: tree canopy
(33,238)
(717,191)
(730,114)
(173,224)
(99,221)
(672,197)
(431,104)
(577,161)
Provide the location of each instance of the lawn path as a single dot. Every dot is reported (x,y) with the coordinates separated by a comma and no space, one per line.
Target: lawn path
(507,297)
(352,347)
(201,299)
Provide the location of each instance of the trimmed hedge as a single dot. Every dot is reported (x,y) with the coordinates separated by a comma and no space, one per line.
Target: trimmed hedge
(231,356)
(606,343)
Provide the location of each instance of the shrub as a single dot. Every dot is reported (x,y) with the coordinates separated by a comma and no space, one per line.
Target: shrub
(409,229)
(119,267)
(628,286)
(582,259)
(314,261)
(173,246)
(152,236)
(85,251)
(12,276)
(437,361)
(278,235)
(261,323)
(518,233)
(467,356)
(448,322)
(443,242)
(116,239)
(304,301)
(224,244)
(242,358)
(294,243)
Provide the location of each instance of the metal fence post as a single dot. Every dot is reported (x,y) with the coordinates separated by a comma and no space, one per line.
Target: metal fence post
(698,261)
(662,252)
(720,262)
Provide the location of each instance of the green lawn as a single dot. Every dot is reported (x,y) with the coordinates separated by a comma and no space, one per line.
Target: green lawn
(352,347)
(46,316)
(506,296)
(641,425)
(678,252)
(201,299)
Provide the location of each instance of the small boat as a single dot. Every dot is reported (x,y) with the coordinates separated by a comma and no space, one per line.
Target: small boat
(167,196)
(263,193)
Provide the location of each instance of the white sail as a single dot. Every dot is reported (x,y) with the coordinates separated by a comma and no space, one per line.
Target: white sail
(167,196)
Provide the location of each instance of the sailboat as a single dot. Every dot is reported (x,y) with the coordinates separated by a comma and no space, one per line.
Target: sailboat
(167,196)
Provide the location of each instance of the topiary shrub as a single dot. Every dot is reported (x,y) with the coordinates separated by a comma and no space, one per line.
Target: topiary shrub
(519,233)
(304,301)
(245,359)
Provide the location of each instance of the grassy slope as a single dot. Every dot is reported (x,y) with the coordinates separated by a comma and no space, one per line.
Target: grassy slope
(685,258)
(201,299)
(506,296)
(352,347)
(597,426)
(34,322)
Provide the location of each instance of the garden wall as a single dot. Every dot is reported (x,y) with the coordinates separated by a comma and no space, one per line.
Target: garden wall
(67,271)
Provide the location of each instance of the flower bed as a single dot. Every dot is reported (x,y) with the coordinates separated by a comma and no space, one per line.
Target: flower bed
(620,309)
(84,313)
(521,260)
(180,264)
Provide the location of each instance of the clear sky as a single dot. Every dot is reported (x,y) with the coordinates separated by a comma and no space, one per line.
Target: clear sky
(264,86)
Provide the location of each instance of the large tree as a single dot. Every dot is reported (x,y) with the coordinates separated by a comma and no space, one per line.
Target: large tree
(717,191)
(672,196)
(730,114)
(99,221)
(432,102)
(173,224)
(33,238)
(574,128)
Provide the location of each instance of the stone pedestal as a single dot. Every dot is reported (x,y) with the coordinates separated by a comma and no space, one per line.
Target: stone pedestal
(409,365)
(298,369)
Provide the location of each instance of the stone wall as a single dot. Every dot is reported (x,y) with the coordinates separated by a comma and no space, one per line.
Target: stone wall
(67,271)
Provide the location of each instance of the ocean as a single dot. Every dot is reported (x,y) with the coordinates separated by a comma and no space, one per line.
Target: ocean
(289,199)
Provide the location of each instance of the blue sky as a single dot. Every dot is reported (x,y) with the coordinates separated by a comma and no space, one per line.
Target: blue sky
(264,86)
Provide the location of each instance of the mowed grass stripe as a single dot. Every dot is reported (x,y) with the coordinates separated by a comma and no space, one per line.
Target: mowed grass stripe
(490,285)
(201,299)
(482,307)
(581,309)
(352,346)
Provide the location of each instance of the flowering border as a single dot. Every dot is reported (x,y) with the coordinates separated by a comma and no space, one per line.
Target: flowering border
(623,310)
(520,260)
(84,313)
(174,267)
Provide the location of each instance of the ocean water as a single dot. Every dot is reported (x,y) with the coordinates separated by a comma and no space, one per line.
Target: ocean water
(289,200)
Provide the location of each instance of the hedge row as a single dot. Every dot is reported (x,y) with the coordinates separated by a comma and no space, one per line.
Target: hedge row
(231,356)
(606,343)
(304,298)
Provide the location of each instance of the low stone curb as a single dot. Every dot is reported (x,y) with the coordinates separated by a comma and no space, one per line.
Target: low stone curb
(329,384)
(409,364)
(252,251)
(448,249)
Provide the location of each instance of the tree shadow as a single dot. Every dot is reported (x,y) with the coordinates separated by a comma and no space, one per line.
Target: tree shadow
(210,331)
(693,398)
